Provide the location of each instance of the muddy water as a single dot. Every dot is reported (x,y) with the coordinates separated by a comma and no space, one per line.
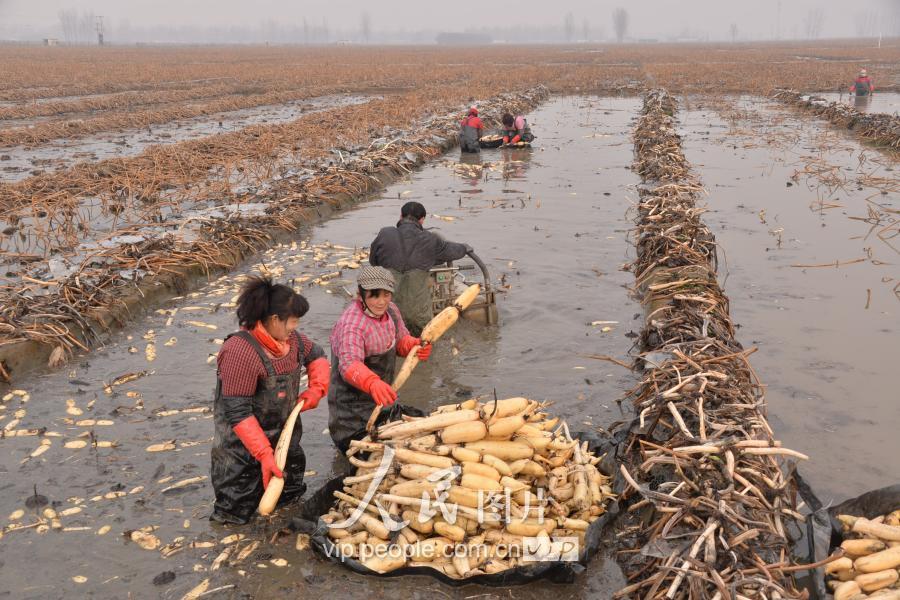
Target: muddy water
(549,222)
(20,162)
(879,102)
(827,336)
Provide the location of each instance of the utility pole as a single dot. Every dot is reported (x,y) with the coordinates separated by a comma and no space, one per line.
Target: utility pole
(100,31)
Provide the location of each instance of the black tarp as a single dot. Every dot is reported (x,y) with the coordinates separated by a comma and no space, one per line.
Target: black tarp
(825,531)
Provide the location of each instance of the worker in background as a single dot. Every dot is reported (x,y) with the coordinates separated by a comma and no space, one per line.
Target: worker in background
(470,130)
(365,343)
(516,129)
(258,385)
(863,85)
(410,251)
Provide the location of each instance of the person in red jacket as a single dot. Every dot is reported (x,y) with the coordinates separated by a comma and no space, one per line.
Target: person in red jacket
(863,85)
(365,343)
(258,385)
(470,130)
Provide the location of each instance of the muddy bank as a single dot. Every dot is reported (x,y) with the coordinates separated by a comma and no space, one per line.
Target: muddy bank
(76,307)
(797,207)
(551,225)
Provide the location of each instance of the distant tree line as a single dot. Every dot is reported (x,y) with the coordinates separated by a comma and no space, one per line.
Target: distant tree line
(78,28)
(882,21)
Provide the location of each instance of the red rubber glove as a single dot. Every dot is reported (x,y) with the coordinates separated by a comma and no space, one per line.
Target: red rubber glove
(254,439)
(515,140)
(269,468)
(424,352)
(406,344)
(362,378)
(382,393)
(318,373)
(505,139)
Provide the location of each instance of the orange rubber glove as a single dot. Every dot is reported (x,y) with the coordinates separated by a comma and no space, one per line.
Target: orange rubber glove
(318,373)
(254,439)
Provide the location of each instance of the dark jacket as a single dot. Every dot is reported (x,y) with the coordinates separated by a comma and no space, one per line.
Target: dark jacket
(408,247)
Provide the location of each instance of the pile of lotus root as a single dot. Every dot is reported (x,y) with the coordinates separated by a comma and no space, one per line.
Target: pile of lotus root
(471,489)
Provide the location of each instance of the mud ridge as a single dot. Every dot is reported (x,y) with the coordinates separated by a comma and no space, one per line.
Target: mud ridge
(710,497)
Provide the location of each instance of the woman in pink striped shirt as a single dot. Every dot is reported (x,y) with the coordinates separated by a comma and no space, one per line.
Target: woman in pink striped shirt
(365,342)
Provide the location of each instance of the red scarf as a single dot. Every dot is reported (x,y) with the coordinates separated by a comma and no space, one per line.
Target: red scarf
(273,347)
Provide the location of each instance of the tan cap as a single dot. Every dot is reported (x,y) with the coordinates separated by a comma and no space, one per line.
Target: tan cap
(375,278)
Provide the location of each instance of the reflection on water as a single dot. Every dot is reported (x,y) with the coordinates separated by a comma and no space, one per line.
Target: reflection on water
(515,162)
(474,168)
(470,158)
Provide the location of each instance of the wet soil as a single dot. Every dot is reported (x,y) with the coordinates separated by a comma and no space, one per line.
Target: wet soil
(552,225)
(785,190)
(20,162)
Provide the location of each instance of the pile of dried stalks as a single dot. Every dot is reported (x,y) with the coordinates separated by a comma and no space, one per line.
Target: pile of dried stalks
(713,511)
(879,128)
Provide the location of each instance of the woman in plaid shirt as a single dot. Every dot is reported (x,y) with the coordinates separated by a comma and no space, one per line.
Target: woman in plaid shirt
(259,371)
(365,343)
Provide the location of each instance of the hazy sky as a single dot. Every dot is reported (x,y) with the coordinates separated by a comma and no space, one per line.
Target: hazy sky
(649,18)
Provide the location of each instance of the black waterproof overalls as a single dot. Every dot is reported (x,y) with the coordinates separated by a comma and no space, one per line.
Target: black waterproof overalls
(861,88)
(236,475)
(468,137)
(349,408)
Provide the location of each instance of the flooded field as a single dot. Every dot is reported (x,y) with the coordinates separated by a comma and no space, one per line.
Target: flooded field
(17,163)
(551,224)
(789,196)
(879,102)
